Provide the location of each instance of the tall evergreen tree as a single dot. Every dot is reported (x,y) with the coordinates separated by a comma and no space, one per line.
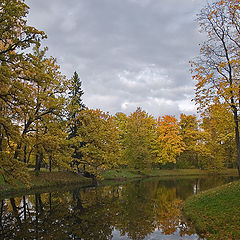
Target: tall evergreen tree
(75,106)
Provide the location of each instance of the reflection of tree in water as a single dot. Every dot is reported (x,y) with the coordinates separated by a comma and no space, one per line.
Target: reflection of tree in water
(135,209)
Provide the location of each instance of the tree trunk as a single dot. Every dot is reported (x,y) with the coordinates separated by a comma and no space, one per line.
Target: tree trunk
(237,140)
(50,164)
(25,154)
(39,158)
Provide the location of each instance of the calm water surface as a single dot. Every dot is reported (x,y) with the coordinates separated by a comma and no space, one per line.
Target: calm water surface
(145,209)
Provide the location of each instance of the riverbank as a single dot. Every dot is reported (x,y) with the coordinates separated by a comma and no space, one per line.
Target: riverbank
(216,212)
(42,181)
(64,179)
(123,174)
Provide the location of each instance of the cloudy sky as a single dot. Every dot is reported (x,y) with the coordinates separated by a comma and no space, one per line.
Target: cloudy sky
(128,53)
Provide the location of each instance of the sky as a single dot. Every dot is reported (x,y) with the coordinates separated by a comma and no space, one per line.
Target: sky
(128,53)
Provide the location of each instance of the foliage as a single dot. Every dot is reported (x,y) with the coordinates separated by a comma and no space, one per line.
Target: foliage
(216,70)
(169,143)
(100,138)
(190,133)
(74,107)
(218,148)
(139,139)
(120,120)
(16,36)
(75,104)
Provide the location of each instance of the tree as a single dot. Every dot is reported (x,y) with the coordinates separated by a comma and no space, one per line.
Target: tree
(76,104)
(216,70)
(218,127)
(101,142)
(120,120)
(190,133)
(16,36)
(74,108)
(169,143)
(139,140)
(45,100)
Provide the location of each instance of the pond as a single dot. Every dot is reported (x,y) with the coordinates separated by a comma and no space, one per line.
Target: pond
(141,209)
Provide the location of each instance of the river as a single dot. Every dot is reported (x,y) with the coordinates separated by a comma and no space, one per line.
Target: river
(140,209)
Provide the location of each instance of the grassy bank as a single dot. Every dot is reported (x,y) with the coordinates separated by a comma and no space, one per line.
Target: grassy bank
(43,180)
(216,212)
(121,174)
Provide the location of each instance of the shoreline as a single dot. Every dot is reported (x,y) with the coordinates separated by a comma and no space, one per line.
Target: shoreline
(44,181)
(215,213)
(47,181)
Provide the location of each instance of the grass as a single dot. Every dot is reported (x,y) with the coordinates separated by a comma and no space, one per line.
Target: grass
(43,180)
(216,212)
(121,174)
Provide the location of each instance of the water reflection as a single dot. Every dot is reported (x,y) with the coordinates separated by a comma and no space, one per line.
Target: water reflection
(149,209)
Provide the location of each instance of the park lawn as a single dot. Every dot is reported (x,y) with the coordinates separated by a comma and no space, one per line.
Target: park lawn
(120,174)
(43,180)
(216,212)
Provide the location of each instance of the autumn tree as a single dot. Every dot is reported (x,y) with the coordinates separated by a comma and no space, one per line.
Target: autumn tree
(169,143)
(217,148)
(120,120)
(16,36)
(45,99)
(139,140)
(216,70)
(190,133)
(101,142)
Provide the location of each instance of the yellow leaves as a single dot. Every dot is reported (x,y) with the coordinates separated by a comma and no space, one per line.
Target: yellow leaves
(100,140)
(138,140)
(169,143)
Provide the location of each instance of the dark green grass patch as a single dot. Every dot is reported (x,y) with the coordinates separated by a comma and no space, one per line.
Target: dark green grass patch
(216,212)
(43,180)
(120,174)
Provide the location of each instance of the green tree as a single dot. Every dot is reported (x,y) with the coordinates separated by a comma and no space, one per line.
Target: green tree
(139,140)
(190,133)
(74,108)
(120,120)
(76,103)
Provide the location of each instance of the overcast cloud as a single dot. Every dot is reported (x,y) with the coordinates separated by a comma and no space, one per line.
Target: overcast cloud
(128,53)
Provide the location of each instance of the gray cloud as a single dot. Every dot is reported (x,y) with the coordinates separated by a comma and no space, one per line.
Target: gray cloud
(128,53)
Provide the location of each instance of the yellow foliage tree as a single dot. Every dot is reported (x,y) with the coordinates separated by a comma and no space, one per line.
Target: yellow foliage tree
(190,133)
(100,141)
(216,70)
(169,143)
(139,140)
(218,144)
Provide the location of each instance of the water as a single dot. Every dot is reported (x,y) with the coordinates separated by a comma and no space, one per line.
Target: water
(145,209)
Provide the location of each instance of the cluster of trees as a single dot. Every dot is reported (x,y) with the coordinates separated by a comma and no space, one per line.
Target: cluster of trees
(43,120)
(37,103)
(147,142)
